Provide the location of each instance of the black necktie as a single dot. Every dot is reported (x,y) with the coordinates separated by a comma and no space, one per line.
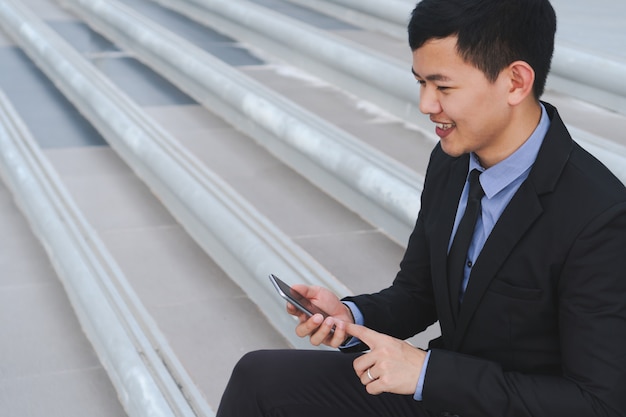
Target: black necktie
(462,239)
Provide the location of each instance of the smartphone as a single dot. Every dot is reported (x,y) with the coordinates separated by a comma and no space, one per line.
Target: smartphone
(295,298)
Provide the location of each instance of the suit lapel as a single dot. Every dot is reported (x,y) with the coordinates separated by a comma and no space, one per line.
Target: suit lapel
(441,237)
(517,218)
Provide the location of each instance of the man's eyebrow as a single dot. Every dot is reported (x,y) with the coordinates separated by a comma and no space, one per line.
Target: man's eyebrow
(433,77)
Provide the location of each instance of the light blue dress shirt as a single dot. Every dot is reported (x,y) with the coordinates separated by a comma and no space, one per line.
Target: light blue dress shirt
(500,182)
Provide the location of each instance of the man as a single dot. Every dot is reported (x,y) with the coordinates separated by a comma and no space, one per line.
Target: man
(533,311)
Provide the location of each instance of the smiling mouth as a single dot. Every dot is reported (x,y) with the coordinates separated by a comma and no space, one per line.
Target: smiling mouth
(446,126)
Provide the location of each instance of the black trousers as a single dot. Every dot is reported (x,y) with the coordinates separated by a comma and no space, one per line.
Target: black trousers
(303,383)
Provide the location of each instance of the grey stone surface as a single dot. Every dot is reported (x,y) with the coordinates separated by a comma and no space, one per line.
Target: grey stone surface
(598,27)
(47,113)
(303,212)
(305,15)
(215,43)
(361,119)
(144,86)
(5,40)
(47,366)
(81,37)
(195,305)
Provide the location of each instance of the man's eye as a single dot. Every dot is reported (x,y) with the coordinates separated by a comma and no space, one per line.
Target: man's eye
(442,88)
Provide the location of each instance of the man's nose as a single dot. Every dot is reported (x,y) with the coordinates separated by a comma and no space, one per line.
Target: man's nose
(429,103)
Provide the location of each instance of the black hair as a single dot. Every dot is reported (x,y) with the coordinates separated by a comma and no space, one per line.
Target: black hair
(491,34)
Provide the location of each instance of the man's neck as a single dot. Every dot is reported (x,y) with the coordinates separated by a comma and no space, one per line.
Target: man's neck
(524,120)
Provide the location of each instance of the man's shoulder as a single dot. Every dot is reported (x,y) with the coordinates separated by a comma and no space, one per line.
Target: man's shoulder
(563,161)
(593,177)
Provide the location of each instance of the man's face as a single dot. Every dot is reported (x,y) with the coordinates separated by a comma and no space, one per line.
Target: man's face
(470,112)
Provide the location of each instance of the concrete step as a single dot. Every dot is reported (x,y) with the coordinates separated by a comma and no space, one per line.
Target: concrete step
(196,306)
(569,82)
(87,173)
(48,367)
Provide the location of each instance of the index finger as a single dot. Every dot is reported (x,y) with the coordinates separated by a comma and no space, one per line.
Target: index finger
(367,336)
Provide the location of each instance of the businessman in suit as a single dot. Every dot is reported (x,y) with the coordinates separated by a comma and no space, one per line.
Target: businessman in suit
(519,251)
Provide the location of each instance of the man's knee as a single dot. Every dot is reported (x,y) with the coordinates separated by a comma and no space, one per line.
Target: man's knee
(245,385)
(248,366)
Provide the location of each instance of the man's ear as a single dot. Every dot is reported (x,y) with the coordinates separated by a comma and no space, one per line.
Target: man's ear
(521,78)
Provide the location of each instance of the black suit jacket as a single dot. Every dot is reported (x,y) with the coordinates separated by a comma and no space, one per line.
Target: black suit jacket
(542,328)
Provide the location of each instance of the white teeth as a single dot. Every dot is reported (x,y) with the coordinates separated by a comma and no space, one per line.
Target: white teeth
(445,126)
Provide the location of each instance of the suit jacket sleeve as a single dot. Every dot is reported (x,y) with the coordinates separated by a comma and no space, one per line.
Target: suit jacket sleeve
(411,295)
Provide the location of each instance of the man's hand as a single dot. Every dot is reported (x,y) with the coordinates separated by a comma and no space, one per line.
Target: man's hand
(330,331)
(392,365)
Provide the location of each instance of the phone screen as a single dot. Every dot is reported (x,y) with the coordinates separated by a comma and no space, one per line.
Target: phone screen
(295,298)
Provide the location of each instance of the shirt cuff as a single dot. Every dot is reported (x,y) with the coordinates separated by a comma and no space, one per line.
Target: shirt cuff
(420,381)
(358,319)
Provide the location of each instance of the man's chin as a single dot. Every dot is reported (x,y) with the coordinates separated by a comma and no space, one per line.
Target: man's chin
(451,150)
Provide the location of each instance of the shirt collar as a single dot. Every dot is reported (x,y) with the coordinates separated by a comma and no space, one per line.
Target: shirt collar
(499,176)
